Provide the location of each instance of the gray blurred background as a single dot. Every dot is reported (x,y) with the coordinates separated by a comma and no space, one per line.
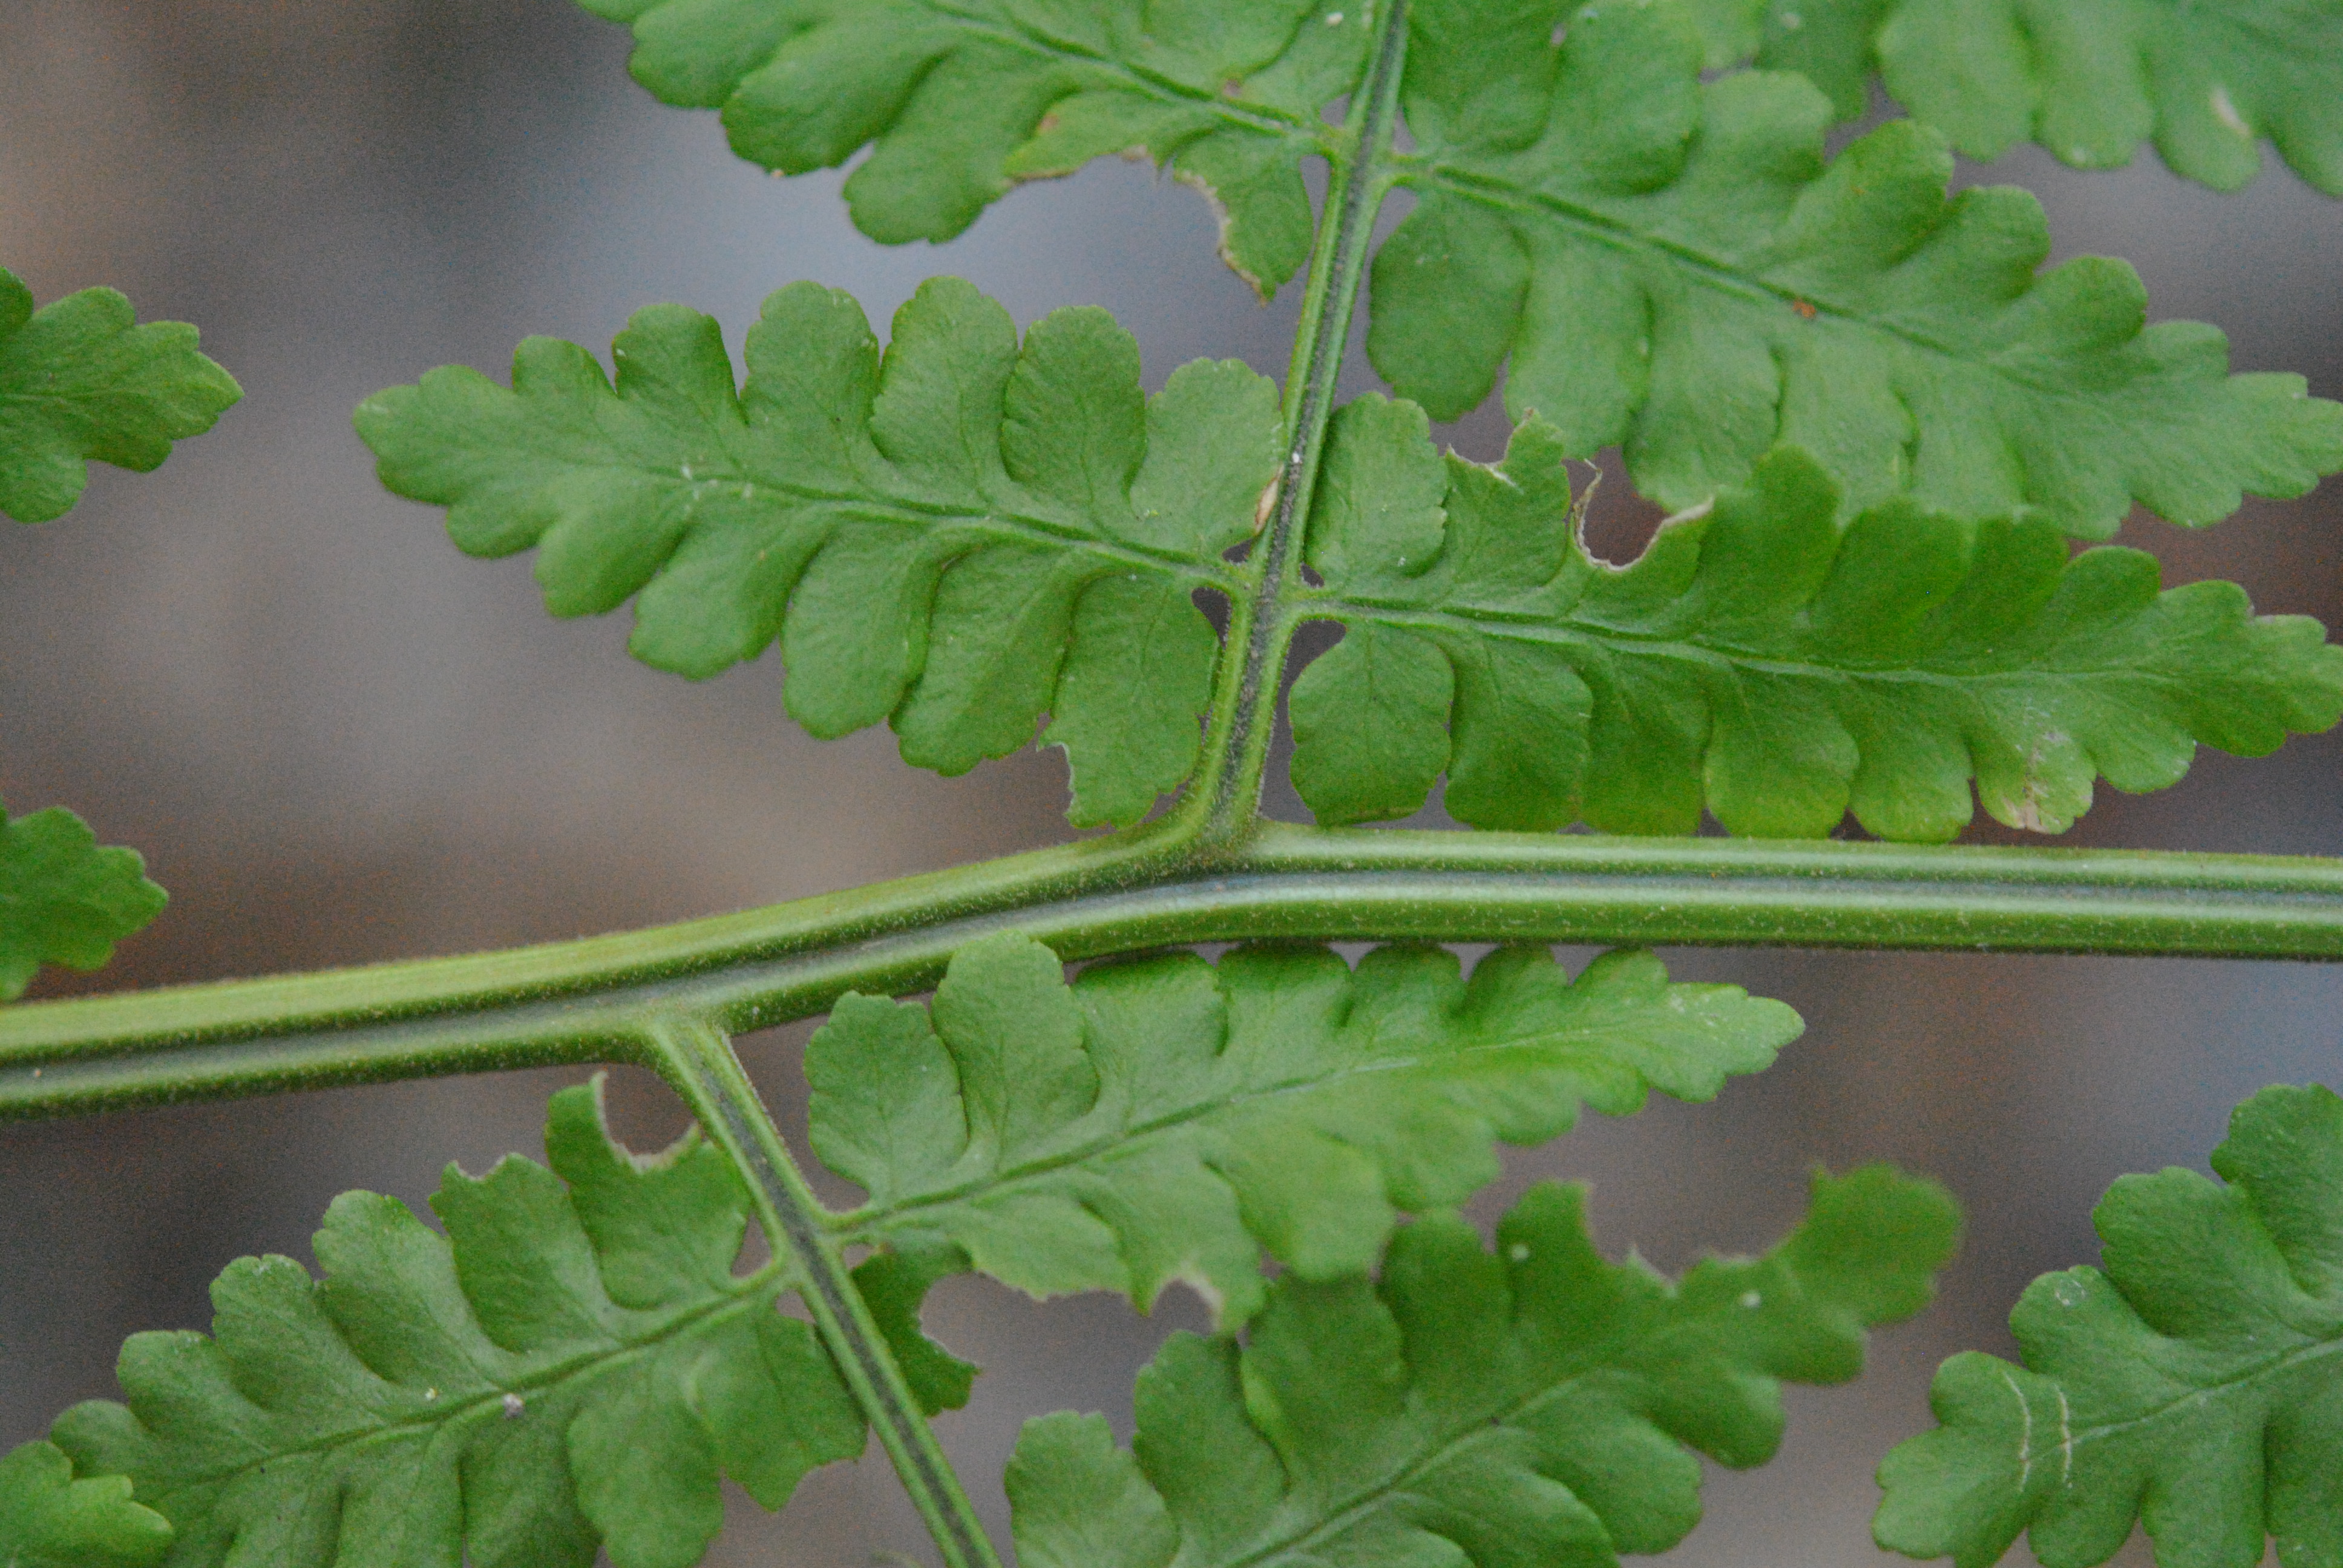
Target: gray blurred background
(337,741)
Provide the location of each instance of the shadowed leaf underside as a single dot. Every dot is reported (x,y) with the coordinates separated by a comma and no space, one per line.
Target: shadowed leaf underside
(2193,1383)
(573,1365)
(1534,1407)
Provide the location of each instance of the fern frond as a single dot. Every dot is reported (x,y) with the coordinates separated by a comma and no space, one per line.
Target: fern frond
(1676,267)
(573,1365)
(63,898)
(2194,1383)
(1760,659)
(953,539)
(80,381)
(959,102)
(1534,1407)
(50,1520)
(1167,1120)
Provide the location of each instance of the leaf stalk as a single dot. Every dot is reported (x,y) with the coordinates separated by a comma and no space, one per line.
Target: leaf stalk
(698,1060)
(593,1001)
(1224,799)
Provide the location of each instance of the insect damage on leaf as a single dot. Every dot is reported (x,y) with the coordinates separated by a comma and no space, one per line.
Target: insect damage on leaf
(1762,660)
(1633,246)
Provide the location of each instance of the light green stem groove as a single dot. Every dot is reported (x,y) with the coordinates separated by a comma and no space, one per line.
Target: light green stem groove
(592,1000)
(698,1060)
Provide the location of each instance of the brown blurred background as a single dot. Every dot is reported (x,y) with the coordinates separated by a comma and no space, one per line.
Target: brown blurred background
(337,741)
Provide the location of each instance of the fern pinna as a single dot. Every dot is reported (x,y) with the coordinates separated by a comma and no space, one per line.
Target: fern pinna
(1883,426)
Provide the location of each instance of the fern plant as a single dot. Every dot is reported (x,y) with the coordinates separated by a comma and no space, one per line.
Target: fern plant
(1884,426)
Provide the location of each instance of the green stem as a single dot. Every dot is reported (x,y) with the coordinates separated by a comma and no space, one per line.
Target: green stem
(698,1061)
(590,1001)
(1228,790)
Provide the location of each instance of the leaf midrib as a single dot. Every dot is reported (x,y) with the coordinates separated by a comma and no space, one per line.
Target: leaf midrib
(1364,1501)
(86,393)
(2286,1362)
(1716,273)
(746,1293)
(910,512)
(1658,647)
(871,1216)
(1032,41)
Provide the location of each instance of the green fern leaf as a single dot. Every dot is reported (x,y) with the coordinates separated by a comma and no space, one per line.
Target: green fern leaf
(2208,83)
(1675,267)
(570,1365)
(50,1520)
(1515,1409)
(960,101)
(2091,82)
(81,381)
(1828,41)
(1166,1120)
(1758,659)
(955,538)
(63,898)
(2195,1385)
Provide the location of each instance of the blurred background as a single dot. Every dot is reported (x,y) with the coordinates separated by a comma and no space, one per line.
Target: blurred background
(337,740)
